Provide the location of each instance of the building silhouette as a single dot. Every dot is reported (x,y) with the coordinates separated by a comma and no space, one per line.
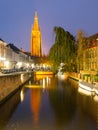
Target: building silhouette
(36,41)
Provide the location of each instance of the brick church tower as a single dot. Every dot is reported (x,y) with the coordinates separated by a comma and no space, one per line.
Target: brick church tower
(36,45)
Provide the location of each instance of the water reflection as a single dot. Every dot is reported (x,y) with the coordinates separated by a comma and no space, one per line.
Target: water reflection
(22,93)
(88,105)
(65,99)
(63,102)
(22,78)
(52,104)
(38,85)
(7,109)
(35,104)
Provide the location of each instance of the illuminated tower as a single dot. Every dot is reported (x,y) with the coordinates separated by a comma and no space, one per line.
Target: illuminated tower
(36,47)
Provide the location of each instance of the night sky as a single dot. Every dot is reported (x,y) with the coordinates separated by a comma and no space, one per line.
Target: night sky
(16,19)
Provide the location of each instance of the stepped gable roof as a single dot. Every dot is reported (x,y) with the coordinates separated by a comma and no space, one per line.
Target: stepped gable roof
(91,41)
(13,47)
(93,37)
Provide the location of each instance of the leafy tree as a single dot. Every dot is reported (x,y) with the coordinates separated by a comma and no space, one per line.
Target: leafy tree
(63,49)
(80,43)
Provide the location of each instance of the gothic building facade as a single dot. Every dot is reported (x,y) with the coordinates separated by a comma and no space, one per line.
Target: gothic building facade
(36,40)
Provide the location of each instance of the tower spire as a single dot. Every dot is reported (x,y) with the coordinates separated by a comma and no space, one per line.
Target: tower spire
(36,26)
(36,14)
(36,40)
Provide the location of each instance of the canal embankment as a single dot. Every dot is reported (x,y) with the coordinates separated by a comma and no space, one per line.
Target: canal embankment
(9,83)
(85,82)
(74,76)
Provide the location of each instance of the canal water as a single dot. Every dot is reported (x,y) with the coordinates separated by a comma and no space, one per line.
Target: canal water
(50,103)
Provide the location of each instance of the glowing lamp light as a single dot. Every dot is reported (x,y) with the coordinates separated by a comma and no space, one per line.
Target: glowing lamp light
(27,65)
(43,83)
(22,78)
(22,95)
(19,64)
(7,64)
(33,65)
(2,58)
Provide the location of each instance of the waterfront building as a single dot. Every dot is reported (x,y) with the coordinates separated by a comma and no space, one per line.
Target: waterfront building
(18,58)
(36,40)
(90,55)
(8,55)
(12,57)
(2,53)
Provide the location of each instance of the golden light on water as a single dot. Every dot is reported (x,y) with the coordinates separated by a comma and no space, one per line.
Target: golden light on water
(22,95)
(22,78)
(35,104)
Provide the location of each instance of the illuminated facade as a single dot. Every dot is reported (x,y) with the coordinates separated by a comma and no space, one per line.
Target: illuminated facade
(2,53)
(90,54)
(11,56)
(36,47)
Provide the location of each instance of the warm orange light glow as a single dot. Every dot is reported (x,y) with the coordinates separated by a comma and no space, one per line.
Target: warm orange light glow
(22,78)
(43,73)
(36,47)
(35,104)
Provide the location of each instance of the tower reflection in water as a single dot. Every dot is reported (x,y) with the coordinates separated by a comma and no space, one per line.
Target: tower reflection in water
(39,84)
(35,104)
(36,86)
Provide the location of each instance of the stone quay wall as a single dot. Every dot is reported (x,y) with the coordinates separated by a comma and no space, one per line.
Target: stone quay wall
(9,83)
